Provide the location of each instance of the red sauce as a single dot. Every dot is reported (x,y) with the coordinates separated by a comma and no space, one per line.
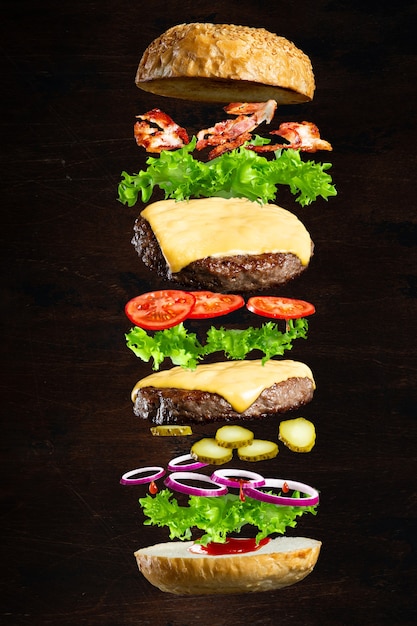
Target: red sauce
(232,545)
(153,489)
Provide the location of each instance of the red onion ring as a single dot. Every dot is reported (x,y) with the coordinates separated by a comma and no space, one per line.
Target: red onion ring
(253,492)
(175,464)
(220,476)
(173,482)
(127,480)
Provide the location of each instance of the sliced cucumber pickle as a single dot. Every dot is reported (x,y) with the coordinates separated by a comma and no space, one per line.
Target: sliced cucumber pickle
(299,434)
(233,436)
(171,431)
(258,450)
(208,451)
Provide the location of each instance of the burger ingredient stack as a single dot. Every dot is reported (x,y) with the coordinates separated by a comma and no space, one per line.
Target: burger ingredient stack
(219,236)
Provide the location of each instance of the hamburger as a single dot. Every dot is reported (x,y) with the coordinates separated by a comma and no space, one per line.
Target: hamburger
(189,239)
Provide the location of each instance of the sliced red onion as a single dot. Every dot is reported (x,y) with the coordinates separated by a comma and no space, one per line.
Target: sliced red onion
(221,476)
(180,462)
(126,479)
(174,481)
(254,492)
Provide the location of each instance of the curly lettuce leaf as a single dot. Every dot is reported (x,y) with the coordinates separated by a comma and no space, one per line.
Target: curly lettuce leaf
(184,348)
(238,173)
(219,516)
(308,179)
(236,344)
(176,343)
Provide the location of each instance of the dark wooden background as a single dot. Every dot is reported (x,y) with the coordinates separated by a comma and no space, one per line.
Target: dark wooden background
(68,528)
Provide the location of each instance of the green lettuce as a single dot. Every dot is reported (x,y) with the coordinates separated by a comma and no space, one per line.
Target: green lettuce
(218,516)
(238,173)
(185,349)
(176,343)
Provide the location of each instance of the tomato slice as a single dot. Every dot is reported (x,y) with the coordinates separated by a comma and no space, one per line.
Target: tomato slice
(280,308)
(157,310)
(210,304)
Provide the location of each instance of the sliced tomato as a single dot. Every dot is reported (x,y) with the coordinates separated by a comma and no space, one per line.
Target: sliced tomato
(210,304)
(157,310)
(280,308)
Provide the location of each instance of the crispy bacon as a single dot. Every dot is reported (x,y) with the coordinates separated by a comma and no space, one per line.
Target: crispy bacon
(231,134)
(228,134)
(228,145)
(259,111)
(304,136)
(149,137)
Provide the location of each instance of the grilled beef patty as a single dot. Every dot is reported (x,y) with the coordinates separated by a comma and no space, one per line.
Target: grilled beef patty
(240,273)
(179,406)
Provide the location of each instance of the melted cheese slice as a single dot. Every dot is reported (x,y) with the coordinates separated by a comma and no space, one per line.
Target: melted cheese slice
(214,227)
(238,382)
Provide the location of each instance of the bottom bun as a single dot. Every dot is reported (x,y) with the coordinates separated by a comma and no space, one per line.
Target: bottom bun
(282,562)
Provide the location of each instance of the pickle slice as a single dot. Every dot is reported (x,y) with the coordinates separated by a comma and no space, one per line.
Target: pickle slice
(208,451)
(299,434)
(258,450)
(171,431)
(233,436)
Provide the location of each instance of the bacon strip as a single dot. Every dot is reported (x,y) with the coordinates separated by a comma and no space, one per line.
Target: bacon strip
(149,137)
(228,134)
(231,134)
(304,136)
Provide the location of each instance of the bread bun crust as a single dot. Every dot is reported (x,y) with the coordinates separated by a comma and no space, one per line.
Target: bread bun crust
(225,63)
(280,563)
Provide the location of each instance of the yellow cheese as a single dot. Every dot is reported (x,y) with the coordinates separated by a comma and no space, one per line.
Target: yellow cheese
(216,227)
(239,382)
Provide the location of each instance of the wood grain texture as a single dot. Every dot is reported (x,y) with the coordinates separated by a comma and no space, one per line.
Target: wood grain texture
(68,528)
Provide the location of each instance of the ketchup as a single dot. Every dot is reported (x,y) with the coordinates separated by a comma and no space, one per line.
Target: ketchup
(232,545)
(153,489)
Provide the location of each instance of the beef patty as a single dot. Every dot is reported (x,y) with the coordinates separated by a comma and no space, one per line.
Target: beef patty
(179,406)
(240,273)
